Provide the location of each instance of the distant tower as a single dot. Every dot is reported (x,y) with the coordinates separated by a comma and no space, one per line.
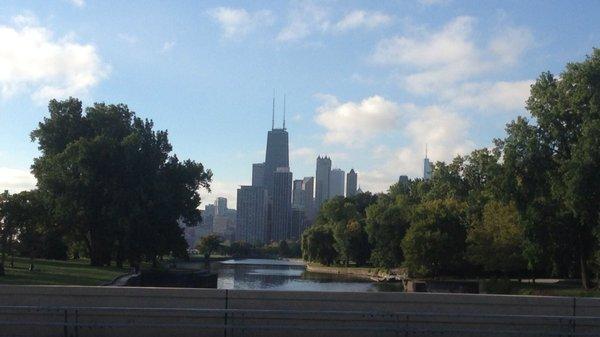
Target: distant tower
(337,178)
(322,181)
(351,183)
(220,206)
(308,186)
(403,180)
(298,194)
(427,166)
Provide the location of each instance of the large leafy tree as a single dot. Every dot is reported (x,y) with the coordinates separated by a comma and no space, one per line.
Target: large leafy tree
(317,245)
(112,182)
(434,245)
(496,241)
(567,110)
(387,222)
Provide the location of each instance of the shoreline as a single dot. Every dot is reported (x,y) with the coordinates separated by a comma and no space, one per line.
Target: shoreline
(364,273)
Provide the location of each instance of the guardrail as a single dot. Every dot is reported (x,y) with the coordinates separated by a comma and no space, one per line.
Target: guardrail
(76,321)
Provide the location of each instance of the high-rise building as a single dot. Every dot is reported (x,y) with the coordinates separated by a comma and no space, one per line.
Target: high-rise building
(207,216)
(308,186)
(298,194)
(251,221)
(277,155)
(220,206)
(282,204)
(337,179)
(258,174)
(322,181)
(351,183)
(403,180)
(298,223)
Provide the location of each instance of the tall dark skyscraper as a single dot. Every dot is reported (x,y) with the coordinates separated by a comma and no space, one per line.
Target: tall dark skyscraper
(337,180)
(322,181)
(308,186)
(258,174)
(351,183)
(281,204)
(251,221)
(427,167)
(298,194)
(277,154)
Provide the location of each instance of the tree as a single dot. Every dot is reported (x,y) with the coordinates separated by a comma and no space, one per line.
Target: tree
(113,184)
(208,245)
(387,222)
(496,242)
(7,230)
(434,244)
(566,110)
(283,249)
(317,245)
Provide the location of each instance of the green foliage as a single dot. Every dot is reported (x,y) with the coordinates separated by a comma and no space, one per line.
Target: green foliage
(317,245)
(112,184)
(387,222)
(434,244)
(496,242)
(209,244)
(344,218)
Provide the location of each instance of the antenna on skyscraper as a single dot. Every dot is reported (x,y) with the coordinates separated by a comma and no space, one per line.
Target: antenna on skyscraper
(425,150)
(273,118)
(284,111)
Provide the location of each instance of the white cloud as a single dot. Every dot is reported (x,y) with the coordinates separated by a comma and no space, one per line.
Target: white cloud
(15,180)
(442,57)
(509,45)
(304,154)
(129,38)
(353,123)
(304,19)
(78,3)
(167,46)
(507,96)
(447,64)
(433,2)
(307,17)
(360,18)
(32,60)
(444,131)
(238,22)
(220,188)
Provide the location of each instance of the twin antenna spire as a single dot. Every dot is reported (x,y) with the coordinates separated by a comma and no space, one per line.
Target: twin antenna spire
(273,117)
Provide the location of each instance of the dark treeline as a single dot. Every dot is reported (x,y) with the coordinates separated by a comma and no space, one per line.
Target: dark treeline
(528,206)
(240,249)
(108,188)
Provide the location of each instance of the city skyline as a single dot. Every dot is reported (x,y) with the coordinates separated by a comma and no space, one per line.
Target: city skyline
(367,84)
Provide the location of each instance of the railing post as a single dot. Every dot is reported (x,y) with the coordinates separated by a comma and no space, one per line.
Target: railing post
(65,326)
(76,323)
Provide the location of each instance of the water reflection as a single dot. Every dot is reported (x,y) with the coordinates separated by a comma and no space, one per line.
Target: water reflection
(284,275)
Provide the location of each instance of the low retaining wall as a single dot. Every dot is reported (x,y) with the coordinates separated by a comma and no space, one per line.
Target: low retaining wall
(82,311)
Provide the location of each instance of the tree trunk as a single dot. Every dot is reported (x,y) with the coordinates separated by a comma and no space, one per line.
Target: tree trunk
(2,259)
(584,274)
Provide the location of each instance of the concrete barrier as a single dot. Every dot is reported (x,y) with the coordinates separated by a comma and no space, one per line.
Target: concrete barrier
(180,312)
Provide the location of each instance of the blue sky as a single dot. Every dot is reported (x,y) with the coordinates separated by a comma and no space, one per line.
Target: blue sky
(367,82)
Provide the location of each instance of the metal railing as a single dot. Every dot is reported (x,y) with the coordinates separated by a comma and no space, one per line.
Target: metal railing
(251,322)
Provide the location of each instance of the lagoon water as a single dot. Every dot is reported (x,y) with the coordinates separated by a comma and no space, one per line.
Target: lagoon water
(265,274)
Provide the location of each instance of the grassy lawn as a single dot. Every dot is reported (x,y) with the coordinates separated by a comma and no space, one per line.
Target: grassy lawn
(52,272)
